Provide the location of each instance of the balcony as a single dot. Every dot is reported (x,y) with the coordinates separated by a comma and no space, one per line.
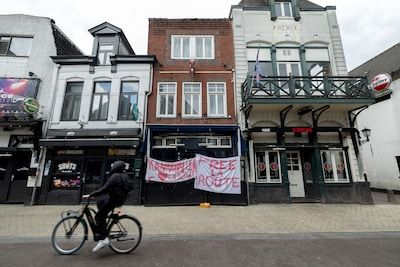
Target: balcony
(307,90)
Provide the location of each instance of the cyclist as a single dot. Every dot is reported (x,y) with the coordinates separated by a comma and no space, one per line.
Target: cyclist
(117,195)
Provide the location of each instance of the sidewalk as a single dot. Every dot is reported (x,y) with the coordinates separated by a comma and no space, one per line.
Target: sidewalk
(17,221)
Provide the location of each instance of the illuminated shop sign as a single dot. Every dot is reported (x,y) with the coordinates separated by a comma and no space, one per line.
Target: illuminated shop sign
(18,97)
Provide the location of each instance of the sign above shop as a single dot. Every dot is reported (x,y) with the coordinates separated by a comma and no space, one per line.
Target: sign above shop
(381,82)
(17,97)
(121,152)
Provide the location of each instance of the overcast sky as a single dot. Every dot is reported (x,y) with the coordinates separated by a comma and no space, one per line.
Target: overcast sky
(367,28)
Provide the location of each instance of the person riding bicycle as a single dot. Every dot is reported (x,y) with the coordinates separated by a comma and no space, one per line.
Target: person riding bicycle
(117,196)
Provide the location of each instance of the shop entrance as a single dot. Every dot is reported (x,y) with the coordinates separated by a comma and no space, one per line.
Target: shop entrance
(93,176)
(295,174)
(14,171)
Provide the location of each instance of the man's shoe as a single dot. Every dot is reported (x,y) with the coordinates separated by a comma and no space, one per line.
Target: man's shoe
(101,244)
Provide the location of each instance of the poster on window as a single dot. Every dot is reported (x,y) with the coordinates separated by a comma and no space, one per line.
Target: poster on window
(218,175)
(170,172)
(17,96)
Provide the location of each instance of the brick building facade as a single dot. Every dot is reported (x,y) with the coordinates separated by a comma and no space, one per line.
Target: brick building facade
(191,109)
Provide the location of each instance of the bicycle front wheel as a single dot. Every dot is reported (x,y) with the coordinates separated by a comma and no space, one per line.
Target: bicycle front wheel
(69,235)
(125,234)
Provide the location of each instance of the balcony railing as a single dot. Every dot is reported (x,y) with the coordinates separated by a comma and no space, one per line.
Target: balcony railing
(292,88)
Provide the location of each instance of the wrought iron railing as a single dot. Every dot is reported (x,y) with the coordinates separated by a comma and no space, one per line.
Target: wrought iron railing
(293,87)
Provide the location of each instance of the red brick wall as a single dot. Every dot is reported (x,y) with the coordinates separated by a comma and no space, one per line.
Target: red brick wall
(159,44)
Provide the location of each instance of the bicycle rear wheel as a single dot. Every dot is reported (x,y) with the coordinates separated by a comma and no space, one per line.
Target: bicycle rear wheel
(125,234)
(69,235)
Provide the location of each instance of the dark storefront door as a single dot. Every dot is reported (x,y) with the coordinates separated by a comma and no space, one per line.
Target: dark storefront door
(93,176)
(14,173)
(5,176)
(311,182)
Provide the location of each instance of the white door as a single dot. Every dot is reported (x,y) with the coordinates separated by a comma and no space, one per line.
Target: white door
(295,174)
(286,69)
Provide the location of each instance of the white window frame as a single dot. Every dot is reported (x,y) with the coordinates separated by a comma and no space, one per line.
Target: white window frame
(219,145)
(282,9)
(267,166)
(334,167)
(192,46)
(184,115)
(159,115)
(224,115)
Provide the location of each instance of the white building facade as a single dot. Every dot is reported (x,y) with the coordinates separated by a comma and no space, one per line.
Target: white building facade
(97,117)
(297,103)
(26,44)
(382,151)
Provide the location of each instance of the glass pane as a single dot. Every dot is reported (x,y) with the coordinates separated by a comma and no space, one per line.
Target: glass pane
(101,58)
(186,48)
(208,47)
(76,107)
(102,87)
(278,9)
(213,104)
(199,47)
(266,68)
(188,110)
(340,166)
(220,104)
(67,107)
(95,107)
(295,69)
(177,46)
(20,46)
(282,69)
(225,141)
(74,88)
(261,166)
(3,46)
(287,8)
(212,141)
(196,104)
(170,141)
(163,101)
(130,87)
(158,142)
(274,168)
(171,101)
(327,165)
(104,107)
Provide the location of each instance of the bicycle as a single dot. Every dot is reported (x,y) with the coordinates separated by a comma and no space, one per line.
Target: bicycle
(71,232)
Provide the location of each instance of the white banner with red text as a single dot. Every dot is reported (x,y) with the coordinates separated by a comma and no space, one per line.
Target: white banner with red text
(170,172)
(219,175)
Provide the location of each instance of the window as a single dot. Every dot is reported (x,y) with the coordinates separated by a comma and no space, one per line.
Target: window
(15,46)
(334,166)
(216,100)
(192,99)
(72,101)
(100,101)
(264,60)
(166,100)
(268,167)
(219,142)
(283,9)
(192,47)
(104,53)
(65,175)
(127,100)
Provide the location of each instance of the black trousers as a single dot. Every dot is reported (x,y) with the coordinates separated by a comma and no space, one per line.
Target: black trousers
(105,206)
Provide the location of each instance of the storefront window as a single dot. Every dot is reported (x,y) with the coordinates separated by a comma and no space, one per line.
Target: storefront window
(66,175)
(334,166)
(268,167)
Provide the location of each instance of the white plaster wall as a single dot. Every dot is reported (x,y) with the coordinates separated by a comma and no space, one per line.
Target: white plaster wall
(379,154)
(39,61)
(129,72)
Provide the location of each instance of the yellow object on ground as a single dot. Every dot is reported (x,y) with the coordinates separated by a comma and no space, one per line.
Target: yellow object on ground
(205,205)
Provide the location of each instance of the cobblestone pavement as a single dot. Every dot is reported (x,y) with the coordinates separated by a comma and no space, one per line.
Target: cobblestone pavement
(38,221)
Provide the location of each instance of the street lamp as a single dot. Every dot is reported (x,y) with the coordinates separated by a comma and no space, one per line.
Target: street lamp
(366,132)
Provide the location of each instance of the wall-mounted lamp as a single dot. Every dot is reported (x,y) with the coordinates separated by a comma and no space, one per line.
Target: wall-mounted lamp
(366,132)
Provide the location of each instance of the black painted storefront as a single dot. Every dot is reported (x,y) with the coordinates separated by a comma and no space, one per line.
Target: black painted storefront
(192,141)
(71,172)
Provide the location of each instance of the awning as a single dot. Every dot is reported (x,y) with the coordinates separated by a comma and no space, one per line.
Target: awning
(92,142)
(193,128)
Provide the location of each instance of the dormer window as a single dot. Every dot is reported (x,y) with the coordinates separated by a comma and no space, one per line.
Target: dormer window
(104,53)
(283,9)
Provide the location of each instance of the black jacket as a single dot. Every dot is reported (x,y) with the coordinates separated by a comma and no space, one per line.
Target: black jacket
(114,186)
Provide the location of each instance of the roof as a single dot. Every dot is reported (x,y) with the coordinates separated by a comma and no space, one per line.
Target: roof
(64,46)
(304,4)
(386,62)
